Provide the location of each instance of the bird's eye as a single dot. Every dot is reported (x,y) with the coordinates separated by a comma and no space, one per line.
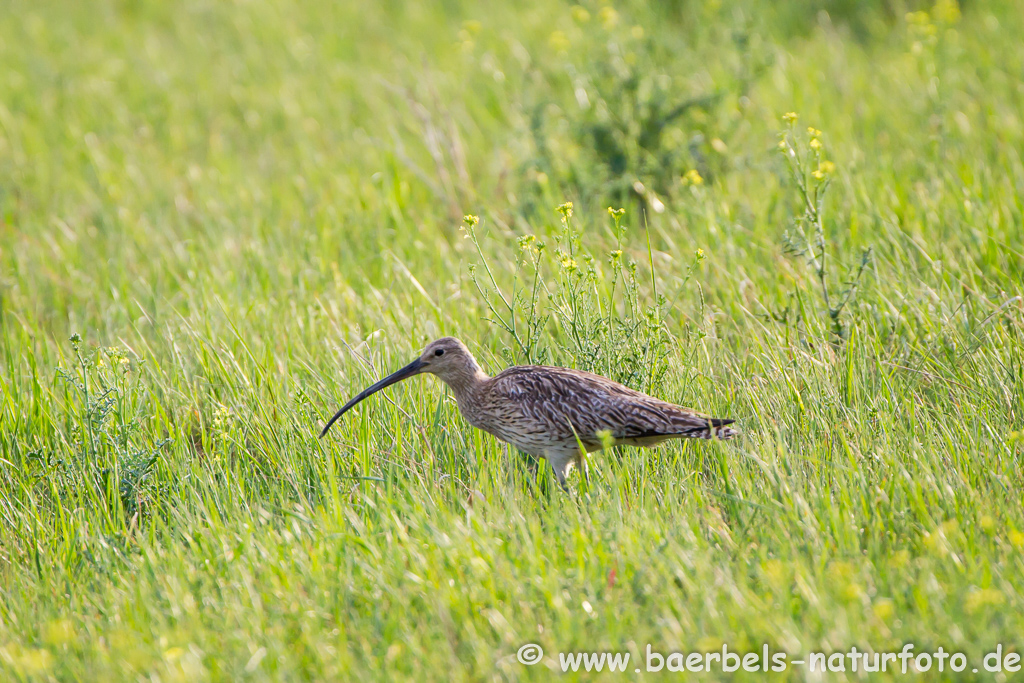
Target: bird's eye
(439,352)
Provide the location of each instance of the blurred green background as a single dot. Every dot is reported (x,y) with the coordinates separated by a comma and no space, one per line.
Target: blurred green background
(247,211)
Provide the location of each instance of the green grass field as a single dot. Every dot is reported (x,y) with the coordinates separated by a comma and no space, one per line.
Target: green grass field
(220,220)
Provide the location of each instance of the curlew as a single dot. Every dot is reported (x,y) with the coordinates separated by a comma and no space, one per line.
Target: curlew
(548,412)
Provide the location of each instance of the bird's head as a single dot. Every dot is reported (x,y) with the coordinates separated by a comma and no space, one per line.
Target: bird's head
(447,357)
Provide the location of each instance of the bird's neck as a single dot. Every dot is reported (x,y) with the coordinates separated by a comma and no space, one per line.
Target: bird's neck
(465,382)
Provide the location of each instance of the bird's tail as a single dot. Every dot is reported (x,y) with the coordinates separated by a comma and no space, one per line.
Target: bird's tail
(717,429)
(694,427)
(725,433)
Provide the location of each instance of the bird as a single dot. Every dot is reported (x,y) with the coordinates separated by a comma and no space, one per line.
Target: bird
(552,413)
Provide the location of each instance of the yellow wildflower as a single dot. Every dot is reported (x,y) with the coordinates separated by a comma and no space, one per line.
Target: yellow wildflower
(825,168)
(608,16)
(981,599)
(580,14)
(946,11)
(884,609)
(559,41)
(919,17)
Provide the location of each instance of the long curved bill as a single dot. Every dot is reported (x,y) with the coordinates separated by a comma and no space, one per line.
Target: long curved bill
(397,376)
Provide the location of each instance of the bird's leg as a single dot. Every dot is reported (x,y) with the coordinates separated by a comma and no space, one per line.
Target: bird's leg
(561,460)
(532,466)
(561,481)
(532,462)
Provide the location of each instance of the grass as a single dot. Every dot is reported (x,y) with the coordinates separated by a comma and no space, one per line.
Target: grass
(244,213)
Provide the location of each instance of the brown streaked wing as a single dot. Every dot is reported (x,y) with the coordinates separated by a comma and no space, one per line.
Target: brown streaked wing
(554,398)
